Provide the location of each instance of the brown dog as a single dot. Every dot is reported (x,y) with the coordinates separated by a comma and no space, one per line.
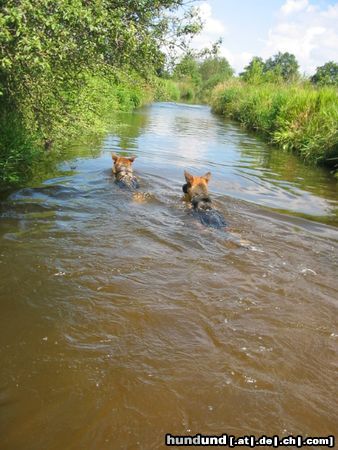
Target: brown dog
(123,171)
(196,190)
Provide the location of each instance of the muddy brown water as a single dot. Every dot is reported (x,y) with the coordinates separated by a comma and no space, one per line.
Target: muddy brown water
(122,320)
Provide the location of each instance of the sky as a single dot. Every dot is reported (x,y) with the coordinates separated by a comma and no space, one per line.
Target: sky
(306,28)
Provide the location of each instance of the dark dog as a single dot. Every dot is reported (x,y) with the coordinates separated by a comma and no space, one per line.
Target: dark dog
(123,171)
(196,190)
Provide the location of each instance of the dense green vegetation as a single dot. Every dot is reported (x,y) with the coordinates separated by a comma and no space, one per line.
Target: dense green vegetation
(196,76)
(65,65)
(295,117)
(25,150)
(293,112)
(326,75)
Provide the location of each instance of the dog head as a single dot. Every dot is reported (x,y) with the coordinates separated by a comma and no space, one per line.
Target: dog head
(122,163)
(196,186)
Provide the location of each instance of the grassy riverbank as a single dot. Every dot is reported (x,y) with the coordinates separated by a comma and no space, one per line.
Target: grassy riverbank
(297,117)
(24,152)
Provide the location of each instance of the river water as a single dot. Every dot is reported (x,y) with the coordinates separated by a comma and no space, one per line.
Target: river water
(122,318)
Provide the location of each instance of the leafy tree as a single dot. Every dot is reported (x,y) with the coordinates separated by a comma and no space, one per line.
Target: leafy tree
(215,66)
(253,72)
(284,65)
(326,74)
(202,69)
(214,70)
(188,69)
(48,48)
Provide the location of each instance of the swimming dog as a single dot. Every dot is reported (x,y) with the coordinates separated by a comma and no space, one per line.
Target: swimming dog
(123,171)
(196,190)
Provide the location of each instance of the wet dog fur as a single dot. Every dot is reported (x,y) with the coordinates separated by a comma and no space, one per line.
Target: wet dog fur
(196,190)
(123,171)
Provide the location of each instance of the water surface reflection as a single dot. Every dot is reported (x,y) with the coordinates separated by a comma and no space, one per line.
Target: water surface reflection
(122,321)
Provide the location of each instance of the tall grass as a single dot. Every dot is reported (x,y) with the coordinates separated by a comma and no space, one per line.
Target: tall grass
(300,118)
(19,150)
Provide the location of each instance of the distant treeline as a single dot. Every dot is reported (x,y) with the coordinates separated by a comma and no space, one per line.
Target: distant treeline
(198,76)
(284,67)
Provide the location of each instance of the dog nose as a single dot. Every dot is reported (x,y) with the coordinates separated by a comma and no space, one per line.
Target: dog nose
(185,188)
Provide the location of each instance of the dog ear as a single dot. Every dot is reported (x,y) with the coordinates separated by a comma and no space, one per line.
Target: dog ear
(114,157)
(132,158)
(189,178)
(207,177)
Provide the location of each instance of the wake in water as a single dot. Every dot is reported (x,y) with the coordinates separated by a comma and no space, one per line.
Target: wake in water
(210,218)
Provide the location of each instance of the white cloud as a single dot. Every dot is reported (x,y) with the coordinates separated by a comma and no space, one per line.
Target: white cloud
(331,12)
(212,26)
(291,6)
(308,32)
(301,27)
(236,60)
(214,29)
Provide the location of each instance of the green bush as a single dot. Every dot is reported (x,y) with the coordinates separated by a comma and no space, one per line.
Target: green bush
(167,90)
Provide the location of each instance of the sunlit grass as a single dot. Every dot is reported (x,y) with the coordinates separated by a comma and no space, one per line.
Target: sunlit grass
(295,117)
